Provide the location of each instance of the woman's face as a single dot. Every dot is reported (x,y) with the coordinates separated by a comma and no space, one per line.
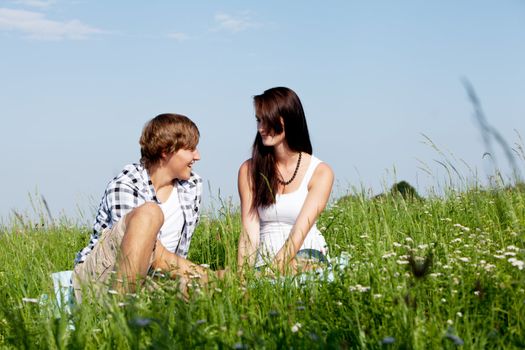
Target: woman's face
(269,137)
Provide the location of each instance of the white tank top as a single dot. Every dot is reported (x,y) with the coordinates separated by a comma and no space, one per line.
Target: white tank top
(277,220)
(171,230)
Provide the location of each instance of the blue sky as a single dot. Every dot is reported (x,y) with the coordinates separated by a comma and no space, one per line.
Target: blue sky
(80,78)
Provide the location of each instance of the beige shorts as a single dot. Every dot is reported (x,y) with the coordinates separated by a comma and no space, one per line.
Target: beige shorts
(98,270)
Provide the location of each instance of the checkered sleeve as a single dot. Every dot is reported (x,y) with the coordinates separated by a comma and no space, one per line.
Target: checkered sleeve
(121,198)
(197,200)
(190,193)
(125,192)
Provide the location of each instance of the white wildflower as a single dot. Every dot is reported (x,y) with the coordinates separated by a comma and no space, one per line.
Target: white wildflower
(30,300)
(388,255)
(112,291)
(513,247)
(518,263)
(450,322)
(459,314)
(419,259)
(499,256)
(464,259)
(364,289)
(359,288)
(423,246)
(509,254)
(456,240)
(402,262)
(489,267)
(443,300)
(462,228)
(397,245)
(408,239)
(377,296)
(296,327)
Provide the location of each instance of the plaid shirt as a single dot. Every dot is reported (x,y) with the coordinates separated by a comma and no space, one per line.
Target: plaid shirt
(132,188)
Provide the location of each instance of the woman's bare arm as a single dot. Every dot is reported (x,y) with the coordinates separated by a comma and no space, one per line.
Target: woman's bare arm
(249,238)
(319,189)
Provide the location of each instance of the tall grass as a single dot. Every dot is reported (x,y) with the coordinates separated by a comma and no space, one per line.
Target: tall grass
(439,272)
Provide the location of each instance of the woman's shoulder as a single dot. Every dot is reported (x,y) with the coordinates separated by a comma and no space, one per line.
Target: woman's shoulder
(245,166)
(244,171)
(322,173)
(320,165)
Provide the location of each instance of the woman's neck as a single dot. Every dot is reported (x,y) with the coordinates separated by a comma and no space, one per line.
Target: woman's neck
(284,155)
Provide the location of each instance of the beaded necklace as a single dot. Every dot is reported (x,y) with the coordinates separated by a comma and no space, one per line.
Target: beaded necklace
(284,183)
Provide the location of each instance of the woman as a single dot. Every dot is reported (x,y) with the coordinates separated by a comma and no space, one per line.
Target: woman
(283,188)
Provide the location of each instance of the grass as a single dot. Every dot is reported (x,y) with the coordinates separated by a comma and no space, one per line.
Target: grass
(440,272)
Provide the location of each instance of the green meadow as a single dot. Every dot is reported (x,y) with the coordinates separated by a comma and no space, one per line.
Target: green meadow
(438,272)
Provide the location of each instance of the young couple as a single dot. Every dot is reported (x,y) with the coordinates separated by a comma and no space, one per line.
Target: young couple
(149,211)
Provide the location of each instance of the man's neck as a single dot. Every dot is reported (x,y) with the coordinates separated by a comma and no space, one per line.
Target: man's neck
(160,178)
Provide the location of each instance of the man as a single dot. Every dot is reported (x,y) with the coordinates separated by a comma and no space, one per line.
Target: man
(148,212)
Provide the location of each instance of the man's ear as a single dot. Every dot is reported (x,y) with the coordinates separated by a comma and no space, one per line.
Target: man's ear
(164,155)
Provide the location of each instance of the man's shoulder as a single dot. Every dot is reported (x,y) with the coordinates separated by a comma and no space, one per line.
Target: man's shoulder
(193,184)
(132,175)
(195,178)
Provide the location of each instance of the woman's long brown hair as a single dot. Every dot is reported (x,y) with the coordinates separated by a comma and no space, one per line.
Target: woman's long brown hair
(270,106)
